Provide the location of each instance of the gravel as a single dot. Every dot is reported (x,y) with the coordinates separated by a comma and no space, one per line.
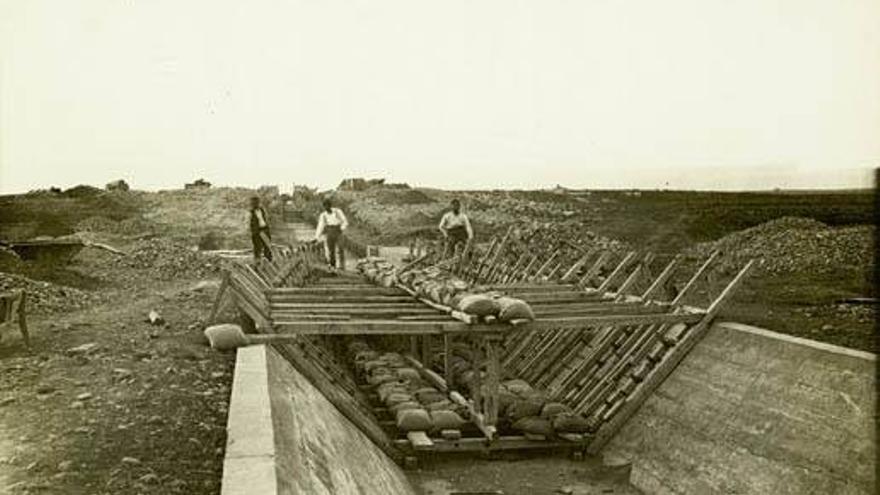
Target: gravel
(796,245)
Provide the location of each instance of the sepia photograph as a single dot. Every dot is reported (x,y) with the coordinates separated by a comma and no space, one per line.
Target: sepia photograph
(408,247)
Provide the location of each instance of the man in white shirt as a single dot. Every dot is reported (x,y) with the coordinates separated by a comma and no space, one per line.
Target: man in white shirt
(331,223)
(456,229)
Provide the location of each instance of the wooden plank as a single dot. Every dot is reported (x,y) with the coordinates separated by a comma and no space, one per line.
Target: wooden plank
(419,440)
(411,304)
(661,279)
(618,271)
(553,271)
(542,312)
(366,310)
(512,442)
(343,402)
(393,327)
(594,270)
(220,299)
(293,299)
(546,265)
(520,287)
(665,367)
(332,291)
(692,283)
(628,283)
(578,265)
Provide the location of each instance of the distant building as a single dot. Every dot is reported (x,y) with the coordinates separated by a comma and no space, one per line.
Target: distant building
(198,184)
(117,185)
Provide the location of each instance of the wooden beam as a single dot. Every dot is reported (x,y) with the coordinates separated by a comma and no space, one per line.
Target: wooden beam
(665,367)
(419,440)
(332,291)
(340,299)
(692,283)
(667,272)
(624,263)
(512,442)
(594,270)
(571,272)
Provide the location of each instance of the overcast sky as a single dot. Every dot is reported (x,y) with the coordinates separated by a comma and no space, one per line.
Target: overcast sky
(710,94)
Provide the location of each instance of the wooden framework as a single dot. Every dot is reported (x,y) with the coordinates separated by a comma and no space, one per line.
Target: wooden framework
(13,310)
(594,345)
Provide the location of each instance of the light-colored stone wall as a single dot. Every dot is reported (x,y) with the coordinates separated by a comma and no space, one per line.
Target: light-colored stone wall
(284,437)
(751,411)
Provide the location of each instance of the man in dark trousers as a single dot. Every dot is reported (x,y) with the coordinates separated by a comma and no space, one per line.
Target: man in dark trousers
(331,223)
(456,229)
(260,235)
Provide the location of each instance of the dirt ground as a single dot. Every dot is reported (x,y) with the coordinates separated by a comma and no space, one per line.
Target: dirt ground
(518,474)
(107,403)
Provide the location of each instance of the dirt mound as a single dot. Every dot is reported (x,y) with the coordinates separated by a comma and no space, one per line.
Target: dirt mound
(797,245)
(128,226)
(164,259)
(402,197)
(46,297)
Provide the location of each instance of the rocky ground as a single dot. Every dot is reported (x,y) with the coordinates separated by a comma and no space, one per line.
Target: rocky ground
(108,403)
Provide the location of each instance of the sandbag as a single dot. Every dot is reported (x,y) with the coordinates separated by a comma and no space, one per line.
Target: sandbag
(514,309)
(444,404)
(517,386)
(410,374)
(380,378)
(569,422)
(446,420)
(397,398)
(522,408)
(414,420)
(533,425)
(553,409)
(404,406)
(394,388)
(429,397)
(369,366)
(479,305)
(505,399)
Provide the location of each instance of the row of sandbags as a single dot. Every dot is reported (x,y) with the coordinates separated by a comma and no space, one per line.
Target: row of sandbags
(445,288)
(378,270)
(415,404)
(521,407)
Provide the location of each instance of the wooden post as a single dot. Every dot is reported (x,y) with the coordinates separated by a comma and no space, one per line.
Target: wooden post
(219,300)
(22,319)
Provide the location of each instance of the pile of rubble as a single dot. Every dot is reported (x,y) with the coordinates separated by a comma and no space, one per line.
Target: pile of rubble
(164,259)
(796,245)
(129,226)
(46,297)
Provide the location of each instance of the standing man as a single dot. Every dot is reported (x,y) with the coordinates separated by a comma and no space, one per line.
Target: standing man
(260,235)
(456,229)
(331,223)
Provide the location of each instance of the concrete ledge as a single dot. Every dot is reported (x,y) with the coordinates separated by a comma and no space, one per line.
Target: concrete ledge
(820,346)
(249,465)
(284,437)
(755,411)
